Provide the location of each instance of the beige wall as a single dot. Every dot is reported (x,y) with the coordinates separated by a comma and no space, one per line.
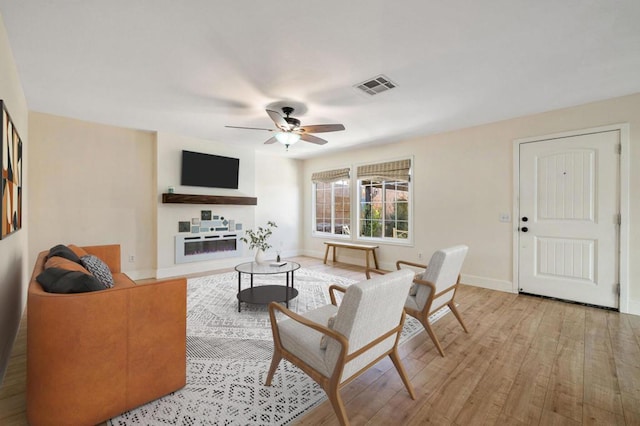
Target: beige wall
(14,266)
(279,191)
(92,184)
(464,180)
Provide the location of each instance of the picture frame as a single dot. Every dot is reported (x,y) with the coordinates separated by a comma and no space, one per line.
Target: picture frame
(11,183)
(184,226)
(205,214)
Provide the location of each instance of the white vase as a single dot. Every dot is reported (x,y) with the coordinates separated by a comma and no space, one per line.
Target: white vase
(259,256)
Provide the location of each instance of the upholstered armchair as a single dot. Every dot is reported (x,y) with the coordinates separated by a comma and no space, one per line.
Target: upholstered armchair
(434,287)
(365,328)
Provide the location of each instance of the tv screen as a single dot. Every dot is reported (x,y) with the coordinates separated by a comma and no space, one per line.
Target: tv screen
(212,171)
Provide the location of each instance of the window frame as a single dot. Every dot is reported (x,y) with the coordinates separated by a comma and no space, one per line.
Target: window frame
(314,231)
(359,204)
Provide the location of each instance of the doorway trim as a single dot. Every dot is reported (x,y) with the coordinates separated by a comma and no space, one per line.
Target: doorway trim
(623,272)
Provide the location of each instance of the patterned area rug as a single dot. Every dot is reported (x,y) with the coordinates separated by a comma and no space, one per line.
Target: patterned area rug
(228,357)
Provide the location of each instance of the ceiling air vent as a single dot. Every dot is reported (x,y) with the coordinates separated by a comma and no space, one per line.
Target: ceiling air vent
(376,85)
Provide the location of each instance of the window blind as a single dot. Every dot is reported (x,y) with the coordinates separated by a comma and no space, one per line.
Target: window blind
(330,176)
(391,170)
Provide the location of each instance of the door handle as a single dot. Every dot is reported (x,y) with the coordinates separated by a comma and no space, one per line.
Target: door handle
(524,218)
(524,229)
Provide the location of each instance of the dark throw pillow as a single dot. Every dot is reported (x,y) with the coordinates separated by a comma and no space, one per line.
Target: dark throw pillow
(57,280)
(63,251)
(98,268)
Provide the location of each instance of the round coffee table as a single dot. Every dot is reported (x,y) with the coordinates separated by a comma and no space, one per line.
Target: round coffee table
(265,294)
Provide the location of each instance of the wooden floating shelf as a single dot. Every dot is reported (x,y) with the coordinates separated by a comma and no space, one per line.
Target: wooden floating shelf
(208,199)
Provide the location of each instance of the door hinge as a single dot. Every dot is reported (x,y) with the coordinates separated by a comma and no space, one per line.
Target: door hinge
(618,289)
(619,219)
(619,149)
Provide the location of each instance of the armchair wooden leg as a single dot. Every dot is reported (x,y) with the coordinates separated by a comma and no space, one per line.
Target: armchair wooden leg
(453,308)
(338,406)
(427,327)
(403,374)
(275,361)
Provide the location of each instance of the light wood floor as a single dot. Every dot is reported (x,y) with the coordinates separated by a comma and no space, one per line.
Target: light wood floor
(526,360)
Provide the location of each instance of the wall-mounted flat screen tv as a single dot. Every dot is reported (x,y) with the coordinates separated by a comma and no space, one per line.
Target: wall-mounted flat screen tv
(212,171)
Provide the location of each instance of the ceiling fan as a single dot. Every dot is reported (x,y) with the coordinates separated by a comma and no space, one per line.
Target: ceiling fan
(289,130)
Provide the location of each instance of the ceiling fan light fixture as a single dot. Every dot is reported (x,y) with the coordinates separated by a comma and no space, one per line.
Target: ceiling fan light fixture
(287,138)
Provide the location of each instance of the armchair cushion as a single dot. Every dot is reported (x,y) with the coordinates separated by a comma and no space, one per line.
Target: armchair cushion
(325,339)
(368,310)
(304,342)
(411,303)
(443,270)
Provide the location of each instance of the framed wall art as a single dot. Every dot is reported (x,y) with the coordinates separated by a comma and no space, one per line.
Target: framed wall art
(11,188)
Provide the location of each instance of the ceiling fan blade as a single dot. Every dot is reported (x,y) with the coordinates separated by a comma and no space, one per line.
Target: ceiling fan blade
(278,119)
(321,128)
(249,128)
(271,140)
(313,139)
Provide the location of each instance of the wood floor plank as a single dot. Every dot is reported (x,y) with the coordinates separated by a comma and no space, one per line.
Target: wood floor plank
(565,394)
(552,418)
(597,416)
(439,371)
(452,397)
(601,389)
(627,359)
(527,394)
(484,405)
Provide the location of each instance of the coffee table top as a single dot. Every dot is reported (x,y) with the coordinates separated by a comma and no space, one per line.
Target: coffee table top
(265,268)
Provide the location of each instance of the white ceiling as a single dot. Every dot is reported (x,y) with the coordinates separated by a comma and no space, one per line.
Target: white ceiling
(192,67)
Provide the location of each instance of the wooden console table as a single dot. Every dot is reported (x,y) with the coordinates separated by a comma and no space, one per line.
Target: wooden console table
(364,247)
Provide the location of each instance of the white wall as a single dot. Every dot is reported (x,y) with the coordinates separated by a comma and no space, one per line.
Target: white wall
(14,266)
(92,184)
(273,180)
(168,159)
(464,180)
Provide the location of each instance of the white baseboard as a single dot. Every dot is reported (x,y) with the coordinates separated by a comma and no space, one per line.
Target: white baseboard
(634,307)
(474,280)
(490,283)
(199,267)
(141,274)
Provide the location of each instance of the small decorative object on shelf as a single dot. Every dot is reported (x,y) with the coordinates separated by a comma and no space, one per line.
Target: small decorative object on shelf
(258,239)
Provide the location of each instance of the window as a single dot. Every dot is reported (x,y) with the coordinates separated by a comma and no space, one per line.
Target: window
(332,202)
(384,193)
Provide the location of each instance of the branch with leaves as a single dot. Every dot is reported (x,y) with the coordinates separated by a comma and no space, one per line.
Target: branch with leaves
(258,239)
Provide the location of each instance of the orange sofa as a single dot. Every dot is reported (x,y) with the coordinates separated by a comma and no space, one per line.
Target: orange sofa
(92,356)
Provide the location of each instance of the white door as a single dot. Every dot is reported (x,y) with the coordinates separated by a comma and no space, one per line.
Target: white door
(569,221)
